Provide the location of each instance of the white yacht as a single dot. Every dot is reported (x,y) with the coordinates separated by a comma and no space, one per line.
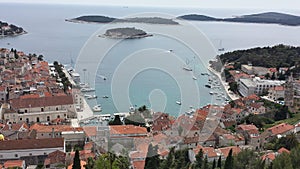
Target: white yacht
(92,97)
(97,108)
(178,102)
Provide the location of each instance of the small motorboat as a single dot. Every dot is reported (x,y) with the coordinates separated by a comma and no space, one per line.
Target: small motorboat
(92,97)
(208,86)
(105,97)
(97,108)
(178,102)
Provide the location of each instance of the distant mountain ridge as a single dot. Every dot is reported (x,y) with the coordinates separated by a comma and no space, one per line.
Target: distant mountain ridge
(267,17)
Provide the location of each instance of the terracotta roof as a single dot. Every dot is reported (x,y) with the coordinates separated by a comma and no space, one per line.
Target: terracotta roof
(88,146)
(225,150)
(270,156)
(82,164)
(247,127)
(138,164)
(210,152)
(57,128)
(16,127)
(13,163)
(32,144)
(55,157)
(41,101)
(127,129)
(90,131)
(280,128)
(282,149)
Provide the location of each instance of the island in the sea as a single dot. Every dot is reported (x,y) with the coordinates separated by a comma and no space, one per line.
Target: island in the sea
(105,19)
(125,33)
(268,17)
(10,30)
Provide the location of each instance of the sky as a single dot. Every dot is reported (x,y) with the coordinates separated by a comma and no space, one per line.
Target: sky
(258,4)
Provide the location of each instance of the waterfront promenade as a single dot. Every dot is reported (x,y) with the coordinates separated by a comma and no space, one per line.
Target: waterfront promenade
(224,83)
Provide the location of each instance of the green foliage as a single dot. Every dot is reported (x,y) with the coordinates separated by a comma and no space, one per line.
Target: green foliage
(283,161)
(199,159)
(219,162)
(109,160)
(135,119)
(257,120)
(116,121)
(233,86)
(76,161)
(214,164)
(248,159)
(90,163)
(229,161)
(152,159)
(276,56)
(169,161)
(289,142)
(295,157)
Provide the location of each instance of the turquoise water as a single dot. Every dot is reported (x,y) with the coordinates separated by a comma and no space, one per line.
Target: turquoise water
(50,35)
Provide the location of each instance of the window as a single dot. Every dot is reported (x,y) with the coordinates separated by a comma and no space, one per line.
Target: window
(37,119)
(16,155)
(30,154)
(48,118)
(25,110)
(21,119)
(45,153)
(58,116)
(42,109)
(1,156)
(27,120)
(56,108)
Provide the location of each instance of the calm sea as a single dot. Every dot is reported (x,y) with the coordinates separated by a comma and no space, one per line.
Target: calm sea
(49,34)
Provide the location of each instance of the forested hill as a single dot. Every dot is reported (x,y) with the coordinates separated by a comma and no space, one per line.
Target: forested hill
(276,56)
(267,17)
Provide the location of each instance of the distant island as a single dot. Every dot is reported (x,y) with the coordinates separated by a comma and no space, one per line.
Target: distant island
(105,19)
(10,29)
(125,33)
(268,17)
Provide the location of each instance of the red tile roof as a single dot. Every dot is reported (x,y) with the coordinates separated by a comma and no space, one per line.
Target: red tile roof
(41,101)
(225,150)
(16,127)
(127,129)
(55,157)
(282,149)
(57,128)
(281,128)
(13,163)
(247,127)
(138,164)
(32,144)
(270,156)
(210,152)
(90,131)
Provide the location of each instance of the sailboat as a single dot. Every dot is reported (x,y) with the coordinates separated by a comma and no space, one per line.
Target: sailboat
(220,47)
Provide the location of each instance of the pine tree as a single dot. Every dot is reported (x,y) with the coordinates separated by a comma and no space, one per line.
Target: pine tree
(219,162)
(229,161)
(76,161)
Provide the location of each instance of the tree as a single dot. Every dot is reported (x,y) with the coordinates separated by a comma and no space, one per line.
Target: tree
(40,57)
(289,142)
(248,159)
(214,164)
(76,161)
(273,77)
(168,162)
(283,161)
(229,161)
(199,159)
(295,157)
(90,163)
(152,159)
(116,121)
(219,162)
(205,163)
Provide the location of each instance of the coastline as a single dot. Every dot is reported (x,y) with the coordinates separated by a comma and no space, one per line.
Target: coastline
(18,34)
(225,85)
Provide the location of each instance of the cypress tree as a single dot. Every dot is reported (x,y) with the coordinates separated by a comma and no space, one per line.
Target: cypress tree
(152,159)
(214,164)
(76,161)
(199,159)
(219,162)
(229,161)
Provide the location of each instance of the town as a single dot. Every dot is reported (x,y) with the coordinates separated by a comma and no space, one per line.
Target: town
(43,112)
